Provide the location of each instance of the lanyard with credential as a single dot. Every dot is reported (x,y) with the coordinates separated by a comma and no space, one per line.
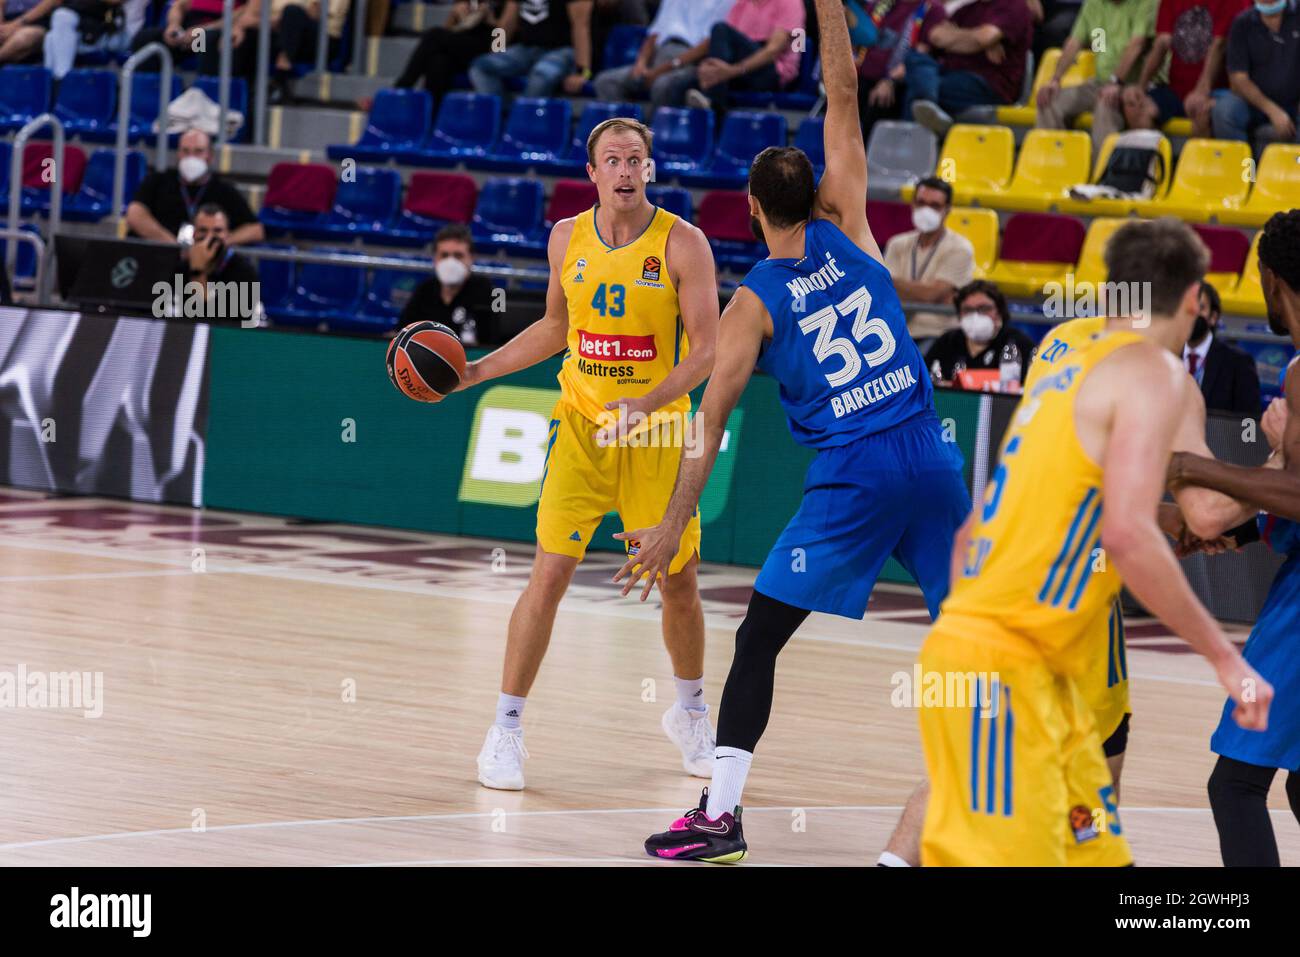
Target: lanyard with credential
(925,265)
(191,206)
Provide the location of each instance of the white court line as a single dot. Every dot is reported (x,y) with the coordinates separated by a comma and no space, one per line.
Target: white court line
(87,576)
(465,815)
(474,815)
(574,604)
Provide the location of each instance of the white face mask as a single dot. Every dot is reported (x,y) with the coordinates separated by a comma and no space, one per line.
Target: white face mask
(192,168)
(977,326)
(926,219)
(451,271)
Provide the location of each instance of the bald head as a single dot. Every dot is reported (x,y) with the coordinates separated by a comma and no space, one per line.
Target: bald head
(195,143)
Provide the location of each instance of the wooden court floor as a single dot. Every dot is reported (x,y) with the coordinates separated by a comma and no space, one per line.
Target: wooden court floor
(278,692)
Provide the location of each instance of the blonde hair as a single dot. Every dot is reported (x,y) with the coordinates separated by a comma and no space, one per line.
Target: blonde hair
(618,124)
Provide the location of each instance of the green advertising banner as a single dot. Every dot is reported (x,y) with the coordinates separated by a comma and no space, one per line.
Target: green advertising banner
(341,445)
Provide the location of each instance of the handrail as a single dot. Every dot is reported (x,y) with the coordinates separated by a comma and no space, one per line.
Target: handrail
(424,265)
(223,80)
(263,70)
(16,188)
(124,117)
(359,38)
(323,39)
(24,236)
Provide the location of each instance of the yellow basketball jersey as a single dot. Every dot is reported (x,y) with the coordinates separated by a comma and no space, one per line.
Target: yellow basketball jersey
(1059,342)
(625,327)
(1034,564)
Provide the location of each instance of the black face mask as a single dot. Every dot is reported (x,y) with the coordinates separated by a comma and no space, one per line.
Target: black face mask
(756,228)
(1199,329)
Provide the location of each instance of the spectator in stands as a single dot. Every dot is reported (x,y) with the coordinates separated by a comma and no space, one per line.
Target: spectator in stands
(1192,36)
(22,27)
(185,20)
(454,296)
(90,26)
(665,65)
(929,263)
(985,331)
(979,60)
(1126,26)
(211,260)
(167,200)
(548,41)
(1263,74)
(750,50)
(1226,374)
(882,74)
(447,51)
(295,31)
(6,296)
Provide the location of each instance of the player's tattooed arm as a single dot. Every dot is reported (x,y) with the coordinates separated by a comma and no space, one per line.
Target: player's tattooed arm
(545,337)
(690,265)
(1275,490)
(842,192)
(744,325)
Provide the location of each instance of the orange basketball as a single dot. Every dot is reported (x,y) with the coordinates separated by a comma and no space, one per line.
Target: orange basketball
(426,361)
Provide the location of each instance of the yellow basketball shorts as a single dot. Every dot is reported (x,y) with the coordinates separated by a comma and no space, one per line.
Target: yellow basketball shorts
(582,481)
(1017,775)
(1104,685)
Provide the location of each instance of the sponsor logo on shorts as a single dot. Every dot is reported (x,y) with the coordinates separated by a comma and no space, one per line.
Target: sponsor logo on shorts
(596,345)
(1082,824)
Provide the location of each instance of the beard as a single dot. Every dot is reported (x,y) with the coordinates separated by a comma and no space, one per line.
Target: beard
(756,228)
(1276,324)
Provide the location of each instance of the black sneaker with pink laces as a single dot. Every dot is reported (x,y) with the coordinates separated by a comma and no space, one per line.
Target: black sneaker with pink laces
(697,837)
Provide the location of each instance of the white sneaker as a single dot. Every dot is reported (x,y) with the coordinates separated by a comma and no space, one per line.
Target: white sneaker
(698,101)
(501,762)
(694,736)
(932,117)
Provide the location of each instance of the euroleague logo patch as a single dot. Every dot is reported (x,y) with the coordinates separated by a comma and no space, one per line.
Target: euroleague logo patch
(650,268)
(1082,824)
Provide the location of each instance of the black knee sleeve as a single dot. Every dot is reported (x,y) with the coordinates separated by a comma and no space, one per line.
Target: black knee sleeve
(747,696)
(1239,800)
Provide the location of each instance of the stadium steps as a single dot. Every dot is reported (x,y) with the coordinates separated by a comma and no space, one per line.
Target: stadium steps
(419,17)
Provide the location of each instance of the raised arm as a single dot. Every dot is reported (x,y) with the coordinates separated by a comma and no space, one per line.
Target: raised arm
(842,193)
(545,337)
(743,325)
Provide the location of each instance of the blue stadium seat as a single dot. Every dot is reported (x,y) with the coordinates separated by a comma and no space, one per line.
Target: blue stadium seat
(744,136)
(145,88)
(364,205)
(468,125)
(92,202)
(683,140)
(211,85)
(390,290)
(810,138)
(800,95)
(6,157)
(622,44)
(537,133)
(25,93)
(276,281)
(593,114)
(323,293)
(509,217)
(87,101)
(399,121)
(672,198)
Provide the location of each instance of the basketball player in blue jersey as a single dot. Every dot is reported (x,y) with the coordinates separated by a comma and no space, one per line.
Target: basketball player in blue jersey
(1249,760)
(821,316)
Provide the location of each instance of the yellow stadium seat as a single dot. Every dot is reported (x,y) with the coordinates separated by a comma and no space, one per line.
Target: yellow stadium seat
(980,226)
(1212,175)
(1247,298)
(1178,126)
(1050,162)
(975,159)
(1277,187)
(1084,67)
(1092,264)
(1118,207)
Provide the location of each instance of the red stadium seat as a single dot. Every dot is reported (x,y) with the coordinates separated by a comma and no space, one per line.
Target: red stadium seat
(723,216)
(297,194)
(35,166)
(887,219)
(432,201)
(570,197)
(1037,248)
(1228,250)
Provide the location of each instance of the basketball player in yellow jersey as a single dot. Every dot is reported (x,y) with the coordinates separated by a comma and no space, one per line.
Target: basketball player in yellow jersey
(1017,776)
(633,298)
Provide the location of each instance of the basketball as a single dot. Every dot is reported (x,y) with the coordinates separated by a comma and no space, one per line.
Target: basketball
(426,361)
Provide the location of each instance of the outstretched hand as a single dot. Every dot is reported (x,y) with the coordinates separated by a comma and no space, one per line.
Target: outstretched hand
(651,553)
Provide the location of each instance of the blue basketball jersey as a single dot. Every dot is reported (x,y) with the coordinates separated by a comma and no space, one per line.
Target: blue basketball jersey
(840,348)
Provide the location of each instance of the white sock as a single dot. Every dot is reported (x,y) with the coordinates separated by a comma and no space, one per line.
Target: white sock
(730,768)
(690,693)
(510,709)
(888,859)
